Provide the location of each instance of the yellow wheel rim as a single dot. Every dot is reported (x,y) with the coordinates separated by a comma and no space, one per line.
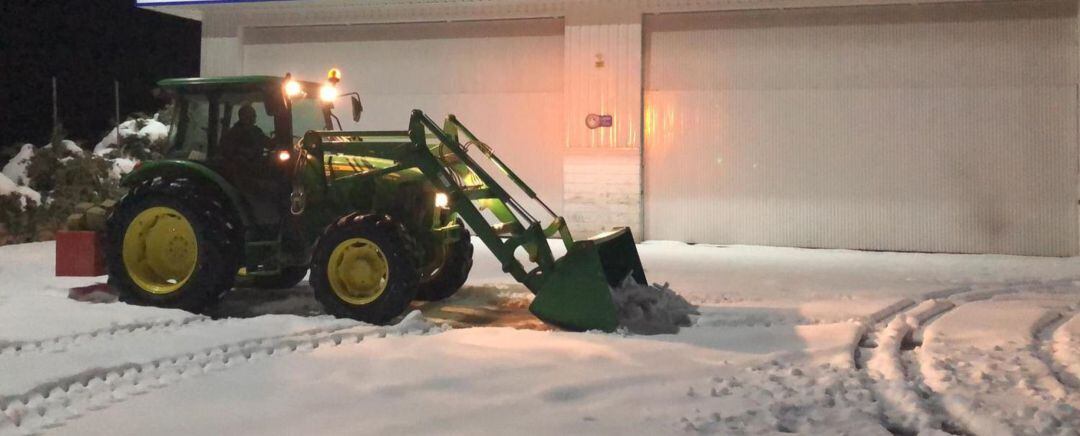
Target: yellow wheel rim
(160,250)
(358,271)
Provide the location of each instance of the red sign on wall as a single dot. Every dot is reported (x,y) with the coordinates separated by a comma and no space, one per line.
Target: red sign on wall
(594,121)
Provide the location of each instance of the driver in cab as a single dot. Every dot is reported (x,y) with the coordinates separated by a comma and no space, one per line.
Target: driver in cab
(244,142)
(244,148)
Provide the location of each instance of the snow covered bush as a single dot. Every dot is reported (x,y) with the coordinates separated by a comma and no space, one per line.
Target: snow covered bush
(19,210)
(19,214)
(41,186)
(67,179)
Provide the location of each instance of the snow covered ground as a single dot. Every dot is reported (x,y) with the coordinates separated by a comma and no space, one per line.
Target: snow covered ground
(788,340)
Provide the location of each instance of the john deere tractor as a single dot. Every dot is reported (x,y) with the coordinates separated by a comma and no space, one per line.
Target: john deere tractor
(257,183)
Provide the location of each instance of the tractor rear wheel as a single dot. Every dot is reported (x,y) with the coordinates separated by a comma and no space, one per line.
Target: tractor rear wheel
(361,269)
(287,278)
(453,272)
(170,251)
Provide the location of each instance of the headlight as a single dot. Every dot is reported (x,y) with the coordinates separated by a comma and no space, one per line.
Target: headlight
(328,93)
(284,155)
(441,200)
(293,89)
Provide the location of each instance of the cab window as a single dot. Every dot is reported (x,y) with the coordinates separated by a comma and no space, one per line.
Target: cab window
(189,131)
(201,120)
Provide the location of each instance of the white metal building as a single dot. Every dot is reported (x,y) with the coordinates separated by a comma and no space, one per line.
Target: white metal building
(871,124)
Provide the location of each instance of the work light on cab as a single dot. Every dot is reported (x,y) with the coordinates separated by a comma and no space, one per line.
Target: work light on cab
(328,93)
(329,90)
(292,87)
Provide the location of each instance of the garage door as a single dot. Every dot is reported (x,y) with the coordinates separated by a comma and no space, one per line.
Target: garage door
(926,128)
(503,79)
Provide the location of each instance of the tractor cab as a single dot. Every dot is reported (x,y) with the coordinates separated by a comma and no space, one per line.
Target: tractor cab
(246,129)
(207,108)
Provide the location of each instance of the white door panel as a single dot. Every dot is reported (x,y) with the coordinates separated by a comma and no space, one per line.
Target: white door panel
(930,128)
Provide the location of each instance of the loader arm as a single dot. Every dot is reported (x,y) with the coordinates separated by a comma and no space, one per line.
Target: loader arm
(572,291)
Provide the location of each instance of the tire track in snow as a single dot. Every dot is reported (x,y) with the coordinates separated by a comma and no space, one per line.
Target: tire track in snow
(1065,350)
(55,403)
(906,404)
(1043,349)
(963,405)
(910,405)
(83,374)
(61,343)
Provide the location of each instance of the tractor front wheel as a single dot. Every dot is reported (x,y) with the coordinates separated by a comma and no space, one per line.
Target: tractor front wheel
(361,269)
(452,273)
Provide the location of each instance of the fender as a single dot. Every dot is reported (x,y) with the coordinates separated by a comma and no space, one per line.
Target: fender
(170,168)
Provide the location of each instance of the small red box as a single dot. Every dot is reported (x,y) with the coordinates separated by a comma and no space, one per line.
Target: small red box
(79,254)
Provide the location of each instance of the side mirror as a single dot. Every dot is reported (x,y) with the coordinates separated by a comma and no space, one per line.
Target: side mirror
(357,108)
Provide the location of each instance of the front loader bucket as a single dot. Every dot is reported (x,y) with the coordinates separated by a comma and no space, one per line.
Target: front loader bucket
(576,294)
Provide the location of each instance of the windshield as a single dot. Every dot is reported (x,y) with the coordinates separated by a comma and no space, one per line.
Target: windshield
(307,114)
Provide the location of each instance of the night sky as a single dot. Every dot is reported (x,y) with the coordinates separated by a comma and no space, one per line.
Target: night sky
(86,44)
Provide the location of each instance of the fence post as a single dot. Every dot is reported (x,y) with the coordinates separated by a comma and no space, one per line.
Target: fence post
(116,96)
(54,111)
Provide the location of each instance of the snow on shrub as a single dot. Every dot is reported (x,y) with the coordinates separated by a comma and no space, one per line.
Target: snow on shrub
(140,138)
(121,166)
(19,210)
(22,194)
(15,169)
(108,143)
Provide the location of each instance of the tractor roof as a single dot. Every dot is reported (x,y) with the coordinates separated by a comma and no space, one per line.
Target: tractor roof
(227,82)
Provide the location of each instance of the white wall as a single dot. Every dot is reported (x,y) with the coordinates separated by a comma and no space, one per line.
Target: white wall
(911,127)
(222,49)
(503,79)
(927,128)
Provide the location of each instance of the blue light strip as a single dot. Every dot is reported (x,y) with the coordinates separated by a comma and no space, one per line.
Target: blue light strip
(198,2)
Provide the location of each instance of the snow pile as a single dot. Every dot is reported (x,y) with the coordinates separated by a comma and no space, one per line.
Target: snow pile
(8,187)
(651,310)
(15,169)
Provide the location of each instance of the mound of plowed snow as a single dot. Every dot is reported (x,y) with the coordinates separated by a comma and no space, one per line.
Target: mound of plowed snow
(651,309)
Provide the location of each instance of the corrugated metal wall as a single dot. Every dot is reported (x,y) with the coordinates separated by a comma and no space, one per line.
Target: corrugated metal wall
(503,79)
(927,128)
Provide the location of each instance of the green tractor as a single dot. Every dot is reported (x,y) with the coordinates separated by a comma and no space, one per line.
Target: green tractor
(257,183)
